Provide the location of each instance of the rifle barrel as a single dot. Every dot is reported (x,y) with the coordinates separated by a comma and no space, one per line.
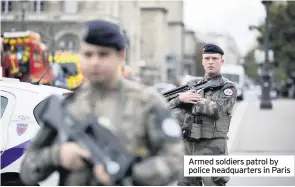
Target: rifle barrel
(175,90)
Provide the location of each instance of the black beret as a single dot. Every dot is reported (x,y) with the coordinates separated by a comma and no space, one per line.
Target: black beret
(211,48)
(103,33)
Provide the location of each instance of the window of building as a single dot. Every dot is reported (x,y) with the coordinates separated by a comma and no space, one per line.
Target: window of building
(6,6)
(70,45)
(66,45)
(187,69)
(38,6)
(69,42)
(62,45)
(70,7)
(4,102)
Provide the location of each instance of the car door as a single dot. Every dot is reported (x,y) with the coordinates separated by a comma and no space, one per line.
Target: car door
(7,105)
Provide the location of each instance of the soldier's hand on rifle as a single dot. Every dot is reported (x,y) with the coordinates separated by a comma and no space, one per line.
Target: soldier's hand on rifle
(71,156)
(188,97)
(102,176)
(198,97)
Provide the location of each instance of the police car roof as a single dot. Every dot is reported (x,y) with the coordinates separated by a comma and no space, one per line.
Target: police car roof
(39,89)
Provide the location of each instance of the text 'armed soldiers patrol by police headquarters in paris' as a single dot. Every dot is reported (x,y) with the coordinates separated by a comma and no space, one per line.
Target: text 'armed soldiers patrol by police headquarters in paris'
(137,115)
(204,113)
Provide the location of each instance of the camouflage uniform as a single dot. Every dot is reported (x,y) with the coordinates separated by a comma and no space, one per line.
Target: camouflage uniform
(209,122)
(141,119)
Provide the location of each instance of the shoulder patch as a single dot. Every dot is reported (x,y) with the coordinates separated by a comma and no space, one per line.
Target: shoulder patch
(171,128)
(228,92)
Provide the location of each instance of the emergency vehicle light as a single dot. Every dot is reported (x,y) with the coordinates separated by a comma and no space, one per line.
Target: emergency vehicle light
(28,34)
(16,34)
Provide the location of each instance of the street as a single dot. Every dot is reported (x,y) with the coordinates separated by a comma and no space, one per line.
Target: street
(262,132)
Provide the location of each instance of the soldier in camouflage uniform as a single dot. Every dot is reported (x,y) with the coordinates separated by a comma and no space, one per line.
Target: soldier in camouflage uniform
(138,115)
(209,116)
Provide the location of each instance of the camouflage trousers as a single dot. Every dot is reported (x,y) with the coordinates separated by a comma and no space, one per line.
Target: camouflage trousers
(204,147)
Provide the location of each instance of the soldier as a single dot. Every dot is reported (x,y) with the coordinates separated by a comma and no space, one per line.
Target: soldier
(206,122)
(138,115)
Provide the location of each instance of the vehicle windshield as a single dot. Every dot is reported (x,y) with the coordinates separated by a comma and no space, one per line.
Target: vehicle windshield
(233,77)
(22,52)
(70,69)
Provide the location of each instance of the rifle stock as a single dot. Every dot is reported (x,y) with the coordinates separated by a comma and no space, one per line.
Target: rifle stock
(104,146)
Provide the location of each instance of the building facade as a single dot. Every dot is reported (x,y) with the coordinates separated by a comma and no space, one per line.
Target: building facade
(190,54)
(154,43)
(60,23)
(176,38)
(154,30)
(172,51)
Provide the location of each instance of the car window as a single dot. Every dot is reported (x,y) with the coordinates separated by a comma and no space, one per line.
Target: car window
(4,102)
(39,109)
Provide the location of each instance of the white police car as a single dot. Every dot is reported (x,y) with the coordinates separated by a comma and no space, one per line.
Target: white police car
(19,101)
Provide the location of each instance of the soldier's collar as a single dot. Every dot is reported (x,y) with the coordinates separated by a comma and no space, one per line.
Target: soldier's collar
(216,76)
(115,87)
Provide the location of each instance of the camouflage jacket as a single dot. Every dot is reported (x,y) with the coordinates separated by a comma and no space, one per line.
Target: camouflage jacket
(214,105)
(138,115)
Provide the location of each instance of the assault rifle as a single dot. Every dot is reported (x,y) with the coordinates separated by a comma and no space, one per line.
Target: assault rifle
(200,86)
(104,146)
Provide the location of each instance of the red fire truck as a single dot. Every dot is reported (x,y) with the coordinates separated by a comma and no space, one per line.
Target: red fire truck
(31,56)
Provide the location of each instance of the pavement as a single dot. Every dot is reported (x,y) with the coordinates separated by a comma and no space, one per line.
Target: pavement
(262,132)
